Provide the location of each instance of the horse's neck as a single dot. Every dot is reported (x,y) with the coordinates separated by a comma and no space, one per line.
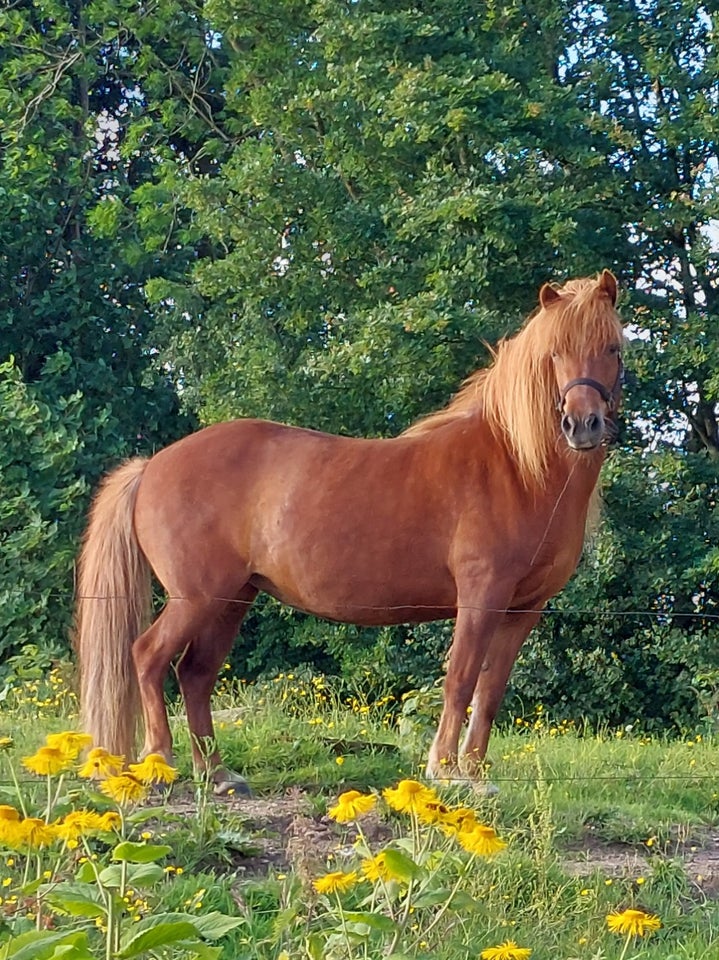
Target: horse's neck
(576,474)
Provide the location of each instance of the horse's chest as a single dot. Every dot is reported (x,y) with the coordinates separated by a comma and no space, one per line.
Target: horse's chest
(546,577)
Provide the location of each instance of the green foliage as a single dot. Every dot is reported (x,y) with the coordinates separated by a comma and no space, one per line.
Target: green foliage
(78,389)
(631,637)
(320,212)
(43,488)
(586,824)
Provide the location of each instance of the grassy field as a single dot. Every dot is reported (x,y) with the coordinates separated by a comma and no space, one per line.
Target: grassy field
(586,826)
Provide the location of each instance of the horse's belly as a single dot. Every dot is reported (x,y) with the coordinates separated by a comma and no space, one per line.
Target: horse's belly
(363,603)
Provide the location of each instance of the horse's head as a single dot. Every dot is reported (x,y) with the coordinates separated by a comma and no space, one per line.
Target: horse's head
(588,373)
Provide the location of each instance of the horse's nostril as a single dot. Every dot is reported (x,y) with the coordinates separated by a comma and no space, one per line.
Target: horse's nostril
(593,422)
(568,425)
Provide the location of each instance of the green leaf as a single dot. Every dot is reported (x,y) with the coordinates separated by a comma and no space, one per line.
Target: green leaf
(140,852)
(400,865)
(214,925)
(138,875)
(44,945)
(158,935)
(203,951)
(85,873)
(76,901)
(315,946)
(375,921)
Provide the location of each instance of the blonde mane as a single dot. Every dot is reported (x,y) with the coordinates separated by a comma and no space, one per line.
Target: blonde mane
(518,394)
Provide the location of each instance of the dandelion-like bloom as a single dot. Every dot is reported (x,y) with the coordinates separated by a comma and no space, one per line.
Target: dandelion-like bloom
(432,812)
(69,742)
(409,796)
(80,823)
(101,764)
(33,834)
(111,820)
(459,819)
(48,761)
(506,951)
(153,769)
(634,923)
(480,840)
(9,819)
(124,789)
(351,805)
(337,882)
(377,868)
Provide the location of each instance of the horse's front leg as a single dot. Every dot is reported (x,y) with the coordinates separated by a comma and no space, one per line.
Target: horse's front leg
(473,632)
(491,684)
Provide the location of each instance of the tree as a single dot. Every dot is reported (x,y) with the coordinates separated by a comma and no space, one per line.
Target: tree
(74,329)
(393,202)
(645,75)
(320,211)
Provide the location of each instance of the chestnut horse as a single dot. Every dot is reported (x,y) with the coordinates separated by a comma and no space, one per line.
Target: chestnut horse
(476,512)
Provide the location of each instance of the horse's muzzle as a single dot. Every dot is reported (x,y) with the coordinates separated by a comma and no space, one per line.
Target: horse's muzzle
(583,433)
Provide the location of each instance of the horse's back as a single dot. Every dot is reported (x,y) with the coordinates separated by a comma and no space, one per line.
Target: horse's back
(326,523)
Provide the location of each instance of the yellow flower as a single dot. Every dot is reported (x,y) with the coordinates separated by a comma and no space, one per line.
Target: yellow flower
(633,922)
(506,951)
(33,833)
(111,820)
(458,819)
(408,796)
(101,764)
(8,813)
(432,812)
(124,788)
(153,769)
(337,882)
(47,761)
(376,868)
(9,832)
(80,823)
(69,742)
(351,805)
(480,840)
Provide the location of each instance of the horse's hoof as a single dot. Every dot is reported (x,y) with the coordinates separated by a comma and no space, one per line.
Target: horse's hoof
(159,790)
(231,784)
(453,776)
(485,788)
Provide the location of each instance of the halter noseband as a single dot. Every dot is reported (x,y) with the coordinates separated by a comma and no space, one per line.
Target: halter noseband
(608,396)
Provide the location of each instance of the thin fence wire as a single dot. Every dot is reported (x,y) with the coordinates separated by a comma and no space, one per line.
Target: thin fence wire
(658,614)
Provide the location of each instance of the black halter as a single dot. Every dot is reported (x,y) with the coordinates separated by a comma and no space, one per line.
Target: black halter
(610,397)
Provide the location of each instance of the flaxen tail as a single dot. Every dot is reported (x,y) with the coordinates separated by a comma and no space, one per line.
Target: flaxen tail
(114,603)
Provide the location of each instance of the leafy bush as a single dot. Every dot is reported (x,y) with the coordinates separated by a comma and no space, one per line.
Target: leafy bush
(43,493)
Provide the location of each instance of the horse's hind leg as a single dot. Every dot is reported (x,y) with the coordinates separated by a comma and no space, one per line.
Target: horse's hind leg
(197,673)
(178,624)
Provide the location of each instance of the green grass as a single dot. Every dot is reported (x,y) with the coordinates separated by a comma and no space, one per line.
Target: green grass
(568,798)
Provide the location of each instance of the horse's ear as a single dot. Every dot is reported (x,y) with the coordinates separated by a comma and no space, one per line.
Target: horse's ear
(608,285)
(548,295)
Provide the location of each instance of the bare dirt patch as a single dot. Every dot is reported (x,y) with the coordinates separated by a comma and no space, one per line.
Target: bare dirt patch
(288,834)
